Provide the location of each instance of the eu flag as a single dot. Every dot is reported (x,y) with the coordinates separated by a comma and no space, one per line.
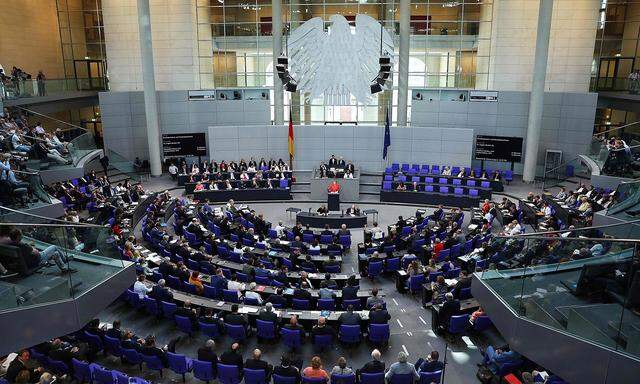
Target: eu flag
(387,136)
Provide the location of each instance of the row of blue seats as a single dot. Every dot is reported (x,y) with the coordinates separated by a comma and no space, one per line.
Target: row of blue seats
(437,170)
(265,330)
(387,186)
(441,180)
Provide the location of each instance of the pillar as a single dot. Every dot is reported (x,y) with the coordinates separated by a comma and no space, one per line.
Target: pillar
(276,31)
(403,66)
(149,86)
(536,101)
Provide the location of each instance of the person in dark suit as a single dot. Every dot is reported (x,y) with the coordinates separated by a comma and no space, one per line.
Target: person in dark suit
(302,293)
(161,293)
(450,307)
(350,290)
(235,318)
(327,230)
(286,369)
(166,267)
(341,163)
(322,328)
(431,364)
(349,317)
(267,314)
(207,352)
(294,326)
(373,366)
(114,332)
(333,162)
(277,298)
(307,263)
(189,313)
(20,364)
(149,349)
(255,362)
(207,317)
(401,223)
(232,356)
(378,315)
(463,282)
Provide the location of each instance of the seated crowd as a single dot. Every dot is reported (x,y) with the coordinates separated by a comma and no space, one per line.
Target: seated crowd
(336,168)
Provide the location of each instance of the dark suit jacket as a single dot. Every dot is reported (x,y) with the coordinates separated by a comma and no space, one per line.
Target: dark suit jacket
(231,358)
(268,316)
(350,292)
(235,319)
(431,366)
(289,371)
(161,294)
(373,366)
(449,308)
(258,364)
(379,317)
(277,299)
(114,333)
(349,318)
(301,293)
(155,351)
(205,354)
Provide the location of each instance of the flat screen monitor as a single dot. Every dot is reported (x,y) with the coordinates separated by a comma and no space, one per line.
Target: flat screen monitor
(184,144)
(499,148)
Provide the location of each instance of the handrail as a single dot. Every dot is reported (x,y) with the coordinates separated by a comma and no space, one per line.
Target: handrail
(25,172)
(613,240)
(64,222)
(616,128)
(52,118)
(561,165)
(532,234)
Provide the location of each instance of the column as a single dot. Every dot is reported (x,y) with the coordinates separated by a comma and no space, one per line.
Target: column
(403,66)
(536,101)
(149,86)
(276,31)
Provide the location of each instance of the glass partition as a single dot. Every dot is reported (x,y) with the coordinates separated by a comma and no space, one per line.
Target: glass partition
(124,165)
(50,87)
(615,150)
(588,287)
(29,191)
(81,146)
(49,260)
(627,195)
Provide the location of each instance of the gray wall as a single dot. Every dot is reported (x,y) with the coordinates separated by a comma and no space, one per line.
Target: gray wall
(361,144)
(124,121)
(567,121)
(567,125)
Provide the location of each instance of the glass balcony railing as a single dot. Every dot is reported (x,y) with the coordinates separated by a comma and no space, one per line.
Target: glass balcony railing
(615,150)
(125,166)
(30,87)
(587,287)
(81,146)
(50,260)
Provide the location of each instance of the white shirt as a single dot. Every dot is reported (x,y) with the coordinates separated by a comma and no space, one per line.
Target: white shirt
(253,295)
(515,230)
(547,211)
(39,129)
(141,289)
(235,286)
(279,230)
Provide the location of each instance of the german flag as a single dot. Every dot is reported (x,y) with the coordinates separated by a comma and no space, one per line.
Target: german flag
(291,142)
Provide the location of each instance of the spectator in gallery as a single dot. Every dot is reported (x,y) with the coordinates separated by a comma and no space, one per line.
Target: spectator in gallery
(40,78)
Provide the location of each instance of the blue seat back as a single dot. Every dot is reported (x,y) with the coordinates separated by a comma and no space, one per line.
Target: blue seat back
(430,377)
(372,378)
(266,329)
(203,370)
(379,333)
(277,379)
(458,324)
(343,379)
(349,333)
(178,363)
(401,378)
(236,332)
(255,376)
(228,374)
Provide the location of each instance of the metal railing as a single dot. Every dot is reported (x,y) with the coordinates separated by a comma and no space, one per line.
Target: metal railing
(32,88)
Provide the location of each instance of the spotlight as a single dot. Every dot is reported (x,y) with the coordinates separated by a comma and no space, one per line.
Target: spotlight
(291,85)
(283,60)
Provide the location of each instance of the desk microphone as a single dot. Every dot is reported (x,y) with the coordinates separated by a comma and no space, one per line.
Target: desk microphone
(342,215)
(309,209)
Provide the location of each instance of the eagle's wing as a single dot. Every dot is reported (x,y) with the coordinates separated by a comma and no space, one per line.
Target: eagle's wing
(367,51)
(305,47)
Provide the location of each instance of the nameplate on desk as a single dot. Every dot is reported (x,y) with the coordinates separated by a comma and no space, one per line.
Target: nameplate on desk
(220,303)
(247,310)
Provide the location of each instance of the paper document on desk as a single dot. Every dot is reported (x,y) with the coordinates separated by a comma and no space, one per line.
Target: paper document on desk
(247,310)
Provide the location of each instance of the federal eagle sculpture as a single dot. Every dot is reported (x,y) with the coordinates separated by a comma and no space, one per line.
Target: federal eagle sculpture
(338,63)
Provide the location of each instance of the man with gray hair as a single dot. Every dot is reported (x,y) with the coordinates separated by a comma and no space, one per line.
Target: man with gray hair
(401,367)
(252,294)
(373,366)
(161,293)
(267,314)
(207,353)
(450,307)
